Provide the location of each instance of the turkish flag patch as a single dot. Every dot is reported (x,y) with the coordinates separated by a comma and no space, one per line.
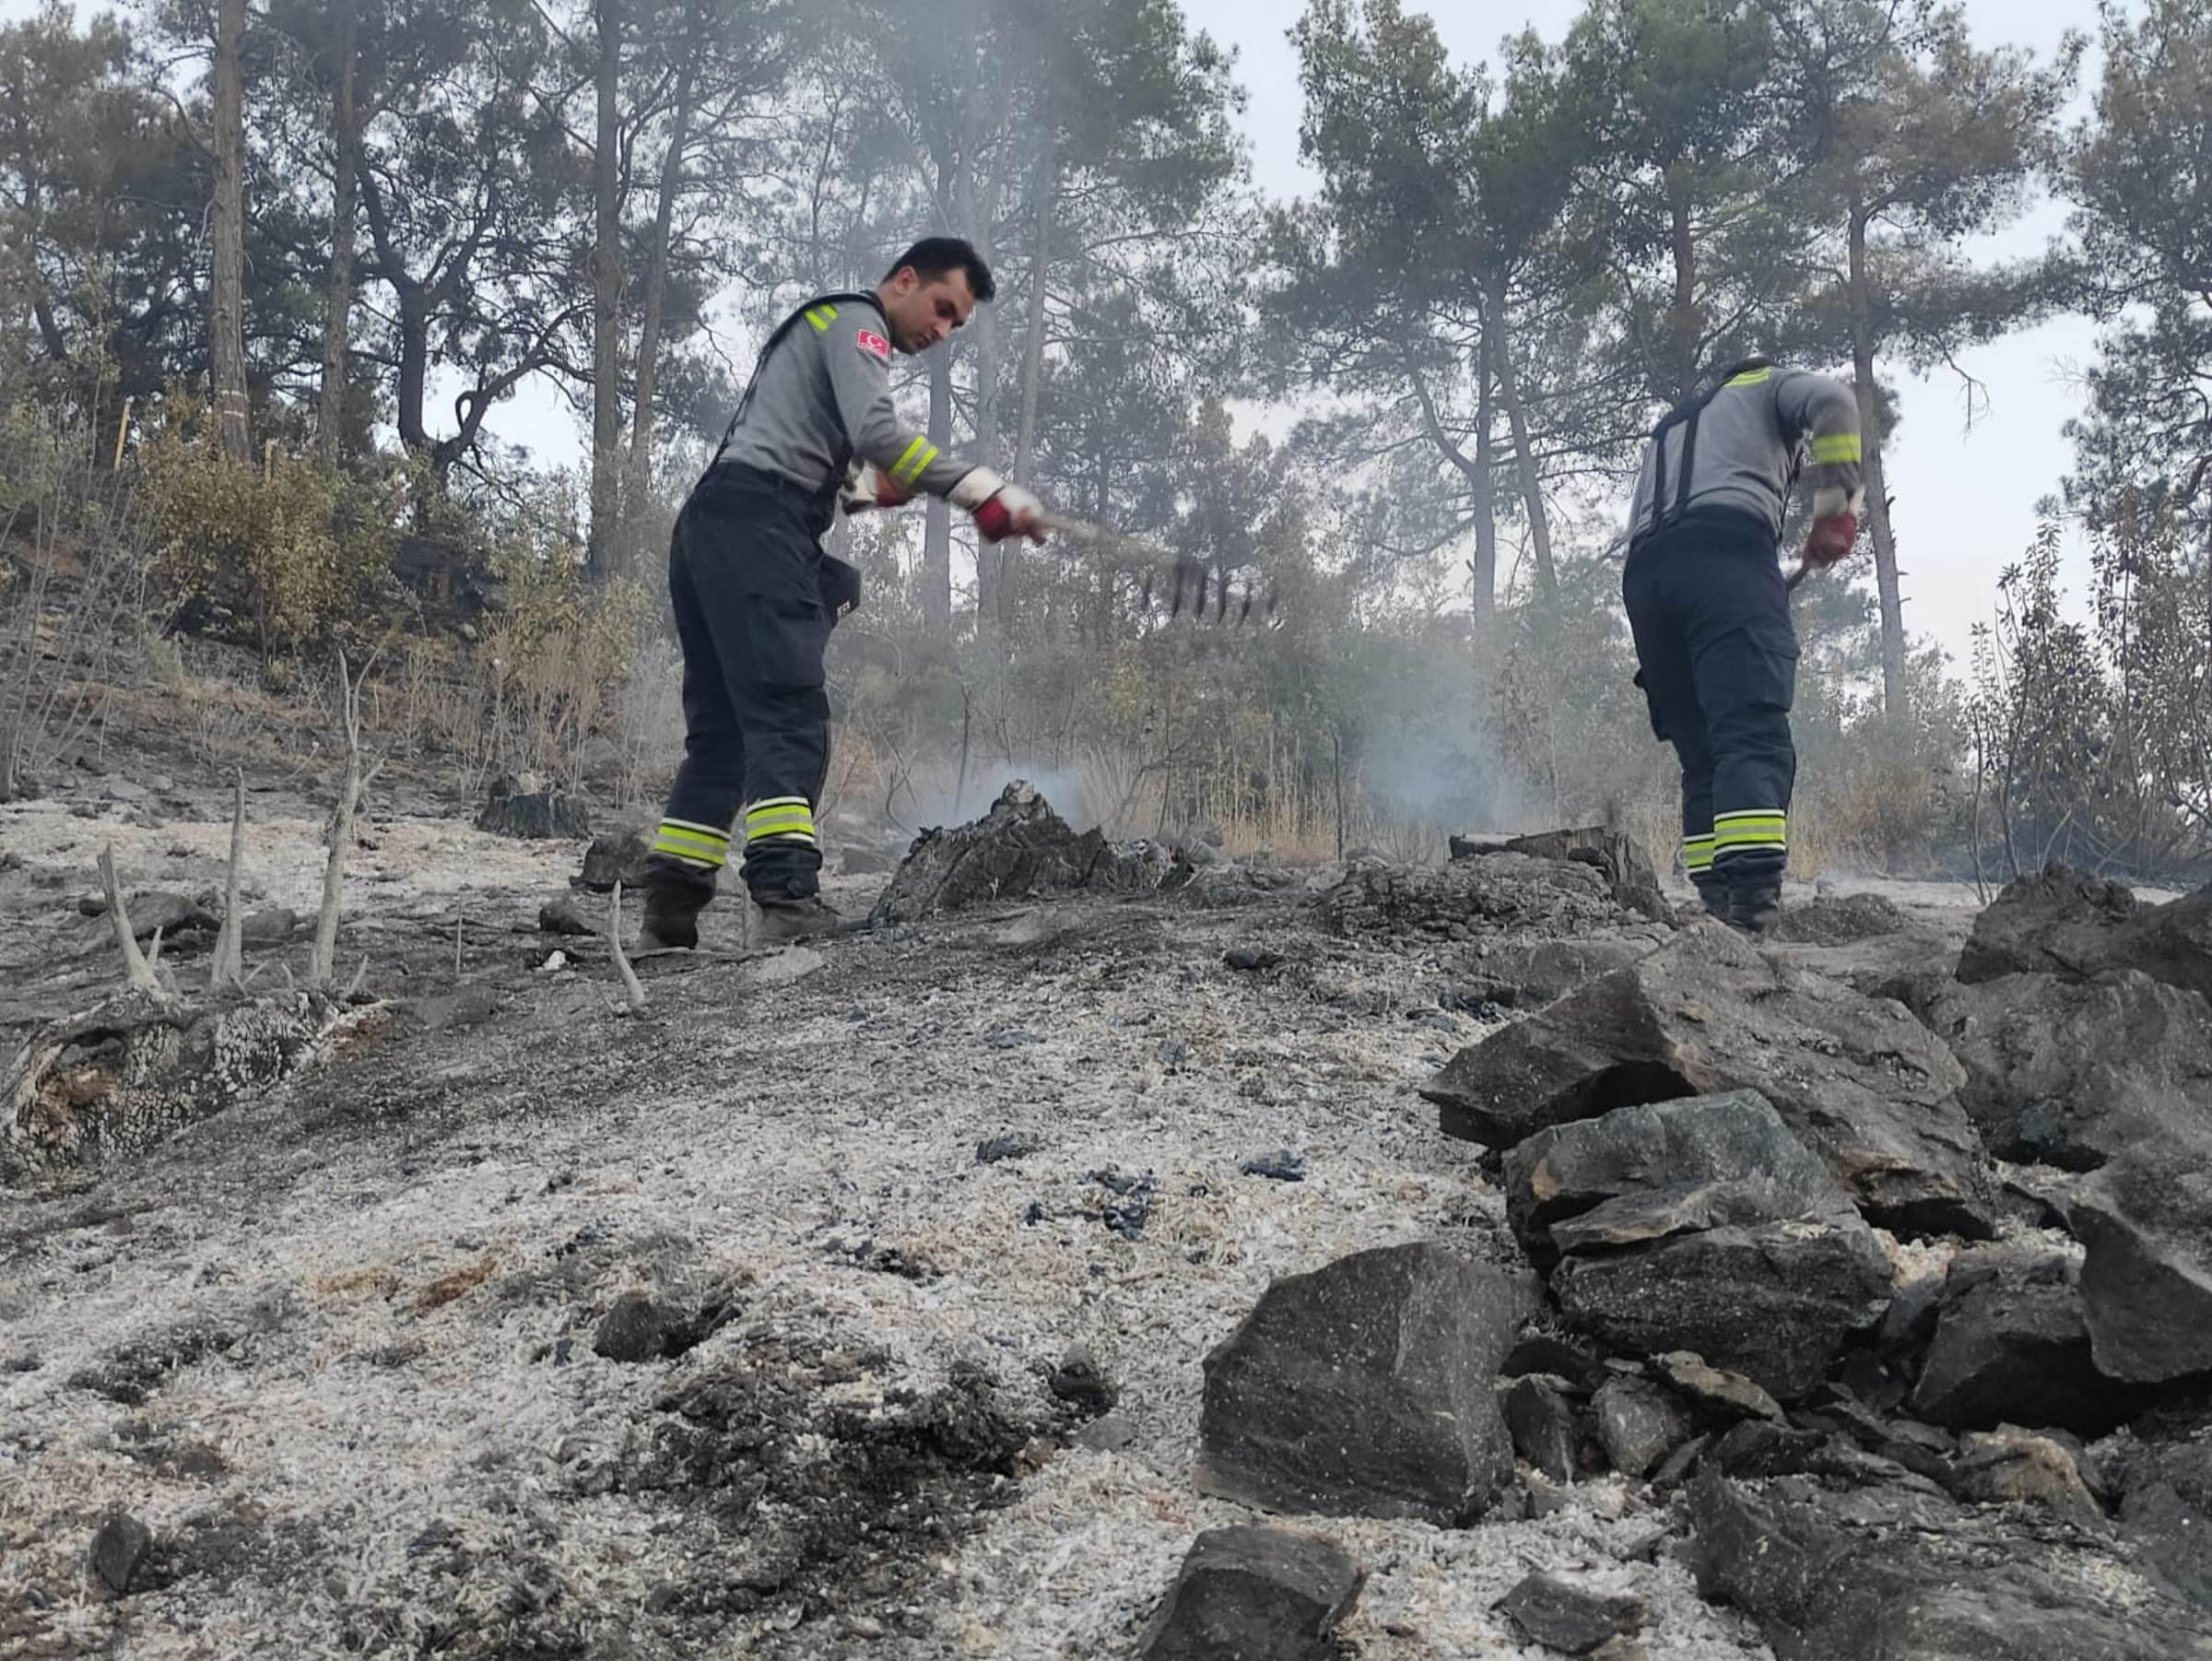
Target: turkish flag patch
(875,346)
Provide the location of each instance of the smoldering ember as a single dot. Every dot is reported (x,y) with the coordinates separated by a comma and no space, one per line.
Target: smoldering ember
(864,832)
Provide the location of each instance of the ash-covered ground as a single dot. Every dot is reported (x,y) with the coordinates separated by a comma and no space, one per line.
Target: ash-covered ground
(847,1302)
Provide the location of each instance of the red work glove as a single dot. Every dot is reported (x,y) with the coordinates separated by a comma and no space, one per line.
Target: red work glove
(1831,539)
(1010,512)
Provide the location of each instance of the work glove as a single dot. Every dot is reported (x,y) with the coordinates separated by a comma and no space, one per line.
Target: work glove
(869,487)
(1831,539)
(1000,510)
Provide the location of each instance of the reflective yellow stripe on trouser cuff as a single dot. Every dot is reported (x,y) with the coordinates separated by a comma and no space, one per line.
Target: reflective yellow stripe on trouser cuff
(1736,832)
(694,845)
(785,818)
(1697,852)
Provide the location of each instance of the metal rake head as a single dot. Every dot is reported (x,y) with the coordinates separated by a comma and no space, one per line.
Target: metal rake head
(1194,586)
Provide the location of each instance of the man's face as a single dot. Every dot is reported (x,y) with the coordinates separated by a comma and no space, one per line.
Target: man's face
(923,311)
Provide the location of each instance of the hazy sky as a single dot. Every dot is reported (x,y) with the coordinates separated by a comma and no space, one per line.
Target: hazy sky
(1965,499)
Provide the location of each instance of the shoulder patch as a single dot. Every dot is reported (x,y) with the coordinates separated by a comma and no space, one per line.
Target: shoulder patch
(873,345)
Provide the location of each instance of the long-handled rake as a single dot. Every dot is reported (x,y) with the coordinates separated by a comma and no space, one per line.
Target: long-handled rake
(1190,582)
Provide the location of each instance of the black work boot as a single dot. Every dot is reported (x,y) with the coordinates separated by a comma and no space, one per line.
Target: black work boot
(1714,895)
(671,921)
(785,917)
(1754,909)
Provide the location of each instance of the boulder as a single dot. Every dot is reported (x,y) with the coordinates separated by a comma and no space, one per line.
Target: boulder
(1543,1426)
(2145,1220)
(1859,1081)
(1367,1388)
(1247,1592)
(2011,1345)
(532,815)
(1776,1302)
(1643,1172)
(1527,974)
(1021,849)
(1899,1573)
(1572,1619)
(1720,1394)
(2013,1466)
(618,855)
(1640,1424)
(2071,1072)
(2166,1513)
(2062,922)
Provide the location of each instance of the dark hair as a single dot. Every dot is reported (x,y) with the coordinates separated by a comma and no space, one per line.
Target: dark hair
(934,256)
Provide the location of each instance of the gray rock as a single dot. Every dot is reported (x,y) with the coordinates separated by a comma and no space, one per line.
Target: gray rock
(2011,1345)
(1080,1382)
(1899,1573)
(1527,974)
(2146,1281)
(1570,1365)
(1006,1144)
(1366,1389)
(1021,849)
(2065,923)
(1640,1424)
(1107,1436)
(1861,1082)
(635,1329)
(2166,1513)
(119,1553)
(1544,1428)
(1284,1165)
(782,968)
(1510,895)
(2014,1467)
(1841,920)
(1248,1593)
(1728,1395)
(1564,1617)
(1641,1173)
(564,916)
(1774,1303)
(274,927)
(171,915)
(618,855)
(2072,1072)
(1756,1448)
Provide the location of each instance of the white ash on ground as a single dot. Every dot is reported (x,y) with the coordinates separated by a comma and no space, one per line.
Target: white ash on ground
(335,1348)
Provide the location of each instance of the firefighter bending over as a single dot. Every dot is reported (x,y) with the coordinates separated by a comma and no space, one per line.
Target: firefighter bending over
(755,597)
(1707,603)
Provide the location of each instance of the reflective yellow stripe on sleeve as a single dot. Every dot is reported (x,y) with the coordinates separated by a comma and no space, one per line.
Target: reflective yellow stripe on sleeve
(822,316)
(912,464)
(1836,447)
(1753,377)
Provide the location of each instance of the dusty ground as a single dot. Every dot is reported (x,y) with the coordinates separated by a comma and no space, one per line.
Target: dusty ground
(335,1348)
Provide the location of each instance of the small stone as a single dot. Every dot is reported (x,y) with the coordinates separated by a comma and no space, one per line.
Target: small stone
(1282,1166)
(274,927)
(119,1552)
(792,963)
(1080,1382)
(1006,1144)
(1566,1617)
(563,916)
(1729,1394)
(1639,1425)
(1011,1038)
(1543,1426)
(635,1329)
(1107,1436)
(1248,1593)
(1250,959)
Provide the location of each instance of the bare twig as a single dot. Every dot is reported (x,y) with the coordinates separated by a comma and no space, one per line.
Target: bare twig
(631,990)
(137,972)
(230,966)
(322,964)
(359,975)
(459,918)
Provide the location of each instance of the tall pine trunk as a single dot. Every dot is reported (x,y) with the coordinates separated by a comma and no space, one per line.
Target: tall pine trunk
(604,555)
(338,320)
(1682,320)
(1495,334)
(1895,699)
(1484,598)
(656,275)
(227,224)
